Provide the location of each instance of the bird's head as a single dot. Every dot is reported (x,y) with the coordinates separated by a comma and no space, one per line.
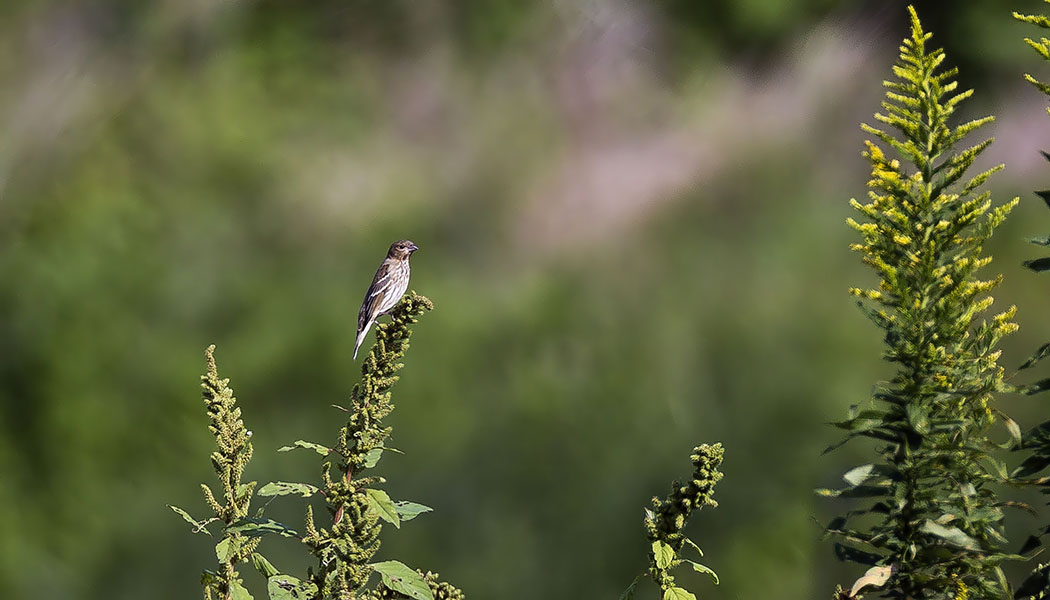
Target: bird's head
(402,249)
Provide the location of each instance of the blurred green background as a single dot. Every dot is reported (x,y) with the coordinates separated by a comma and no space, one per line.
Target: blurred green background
(630,217)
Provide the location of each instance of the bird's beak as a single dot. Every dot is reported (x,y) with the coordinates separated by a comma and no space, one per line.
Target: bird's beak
(413,248)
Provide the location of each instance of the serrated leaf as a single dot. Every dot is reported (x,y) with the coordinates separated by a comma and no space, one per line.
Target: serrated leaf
(628,594)
(381,502)
(198,527)
(297,444)
(407,511)
(237,591)
(286,587)
(400,578)
(258,527)
(875,577)
(677,593)
(952,535)
(227,548)
(285,488)
(662,554)
(263,566)
(706,570)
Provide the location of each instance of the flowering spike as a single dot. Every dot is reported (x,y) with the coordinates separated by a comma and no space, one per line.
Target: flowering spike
(938,523)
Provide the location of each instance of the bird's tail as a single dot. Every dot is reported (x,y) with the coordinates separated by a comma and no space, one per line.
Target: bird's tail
(361,337)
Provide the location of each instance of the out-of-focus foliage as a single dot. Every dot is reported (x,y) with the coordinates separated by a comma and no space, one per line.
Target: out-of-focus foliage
(632,228)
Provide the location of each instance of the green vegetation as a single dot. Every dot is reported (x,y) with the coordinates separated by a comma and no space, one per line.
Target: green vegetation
(667,519)
(939,520)
(356,504)
(173,174)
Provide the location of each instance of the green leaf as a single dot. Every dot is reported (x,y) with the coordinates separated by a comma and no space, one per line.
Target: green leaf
(662,554)
(706,570)
(198,527)
(380,501)
(400,578)
(285,488)
(258,527)
(1013,428)
(693,545)
(237,591)
(859,475)
(1039,264)
(406,511)
(1000,577)
(1039,355)
(286,587)
(999,467)
(1034,388)
(628,594)
(1031,466)
(263,566)
(677,593)
(227,548)
(372,457)
(952,535)
(860,491)
(318,448)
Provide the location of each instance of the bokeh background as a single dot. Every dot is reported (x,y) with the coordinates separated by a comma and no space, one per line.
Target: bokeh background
(631,216)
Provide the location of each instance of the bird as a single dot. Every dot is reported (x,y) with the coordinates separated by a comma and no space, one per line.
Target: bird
(388,286)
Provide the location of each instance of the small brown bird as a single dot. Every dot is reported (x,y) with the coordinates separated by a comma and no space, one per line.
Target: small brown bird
(388,286)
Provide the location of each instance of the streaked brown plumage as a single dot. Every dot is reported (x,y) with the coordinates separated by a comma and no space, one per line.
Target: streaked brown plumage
(388,286)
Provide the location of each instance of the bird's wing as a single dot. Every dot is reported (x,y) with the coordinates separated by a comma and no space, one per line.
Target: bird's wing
(377,292)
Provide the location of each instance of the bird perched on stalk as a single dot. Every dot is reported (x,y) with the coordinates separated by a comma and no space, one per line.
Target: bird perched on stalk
(388,286)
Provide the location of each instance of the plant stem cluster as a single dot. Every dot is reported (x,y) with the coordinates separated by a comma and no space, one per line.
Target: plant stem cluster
(938,521)
(665,522)
(344,550)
